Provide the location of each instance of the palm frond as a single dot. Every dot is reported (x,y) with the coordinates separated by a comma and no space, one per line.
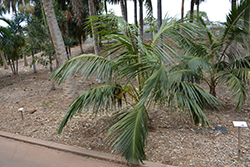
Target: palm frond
(233,80)
(129,135)
(186,96)
(103,97)
(86,65)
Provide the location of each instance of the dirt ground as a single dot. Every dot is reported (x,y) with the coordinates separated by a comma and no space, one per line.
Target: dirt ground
(172,141)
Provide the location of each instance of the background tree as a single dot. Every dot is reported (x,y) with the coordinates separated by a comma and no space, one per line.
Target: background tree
(70,91)
(207,58)
(202,14)
(192,11)
(198,2)
(182,9)
(151,21)
(13,40)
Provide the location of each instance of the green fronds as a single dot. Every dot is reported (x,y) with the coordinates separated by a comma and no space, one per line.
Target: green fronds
(105,97)
(86,65)
(185,96)
(128,135)
(233,79)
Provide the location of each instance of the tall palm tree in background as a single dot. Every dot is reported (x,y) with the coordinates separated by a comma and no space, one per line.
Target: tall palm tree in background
(124,9)
(182,10)
(246,23)
(198,2)
(159,14)
(70,90)
(135,12)
(94,30)
(192,11)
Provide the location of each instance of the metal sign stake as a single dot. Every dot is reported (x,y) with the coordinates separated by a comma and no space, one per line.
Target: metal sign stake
(239,124)
(239,137)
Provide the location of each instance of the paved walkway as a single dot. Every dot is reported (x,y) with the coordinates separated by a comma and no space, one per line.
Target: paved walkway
(19,154)
(22,151)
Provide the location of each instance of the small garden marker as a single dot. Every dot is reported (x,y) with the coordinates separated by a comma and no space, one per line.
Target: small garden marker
(239,124)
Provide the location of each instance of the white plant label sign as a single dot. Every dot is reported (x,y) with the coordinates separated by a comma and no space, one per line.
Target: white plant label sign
(241,124)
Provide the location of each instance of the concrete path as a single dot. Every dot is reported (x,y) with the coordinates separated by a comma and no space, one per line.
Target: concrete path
(21,151)
(19,154)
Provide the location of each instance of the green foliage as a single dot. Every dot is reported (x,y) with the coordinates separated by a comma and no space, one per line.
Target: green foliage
(202,14)
(210,58)
(156,84)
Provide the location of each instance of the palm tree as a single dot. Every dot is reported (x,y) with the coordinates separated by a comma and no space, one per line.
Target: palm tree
(208,58)
(182,10)
(12,39)
(197,2)
(154,84)
(69,86)
(135,12)
(124,9)
(246,23)
(192,11)
(159,14)
(2,48)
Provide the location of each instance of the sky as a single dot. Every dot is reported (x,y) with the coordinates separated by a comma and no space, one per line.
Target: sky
(216,9)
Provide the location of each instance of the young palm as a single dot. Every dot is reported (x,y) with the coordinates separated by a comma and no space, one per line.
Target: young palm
(209,57)
(137,76)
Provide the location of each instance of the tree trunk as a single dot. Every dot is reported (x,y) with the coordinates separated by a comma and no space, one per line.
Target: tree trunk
(246,24)
(212,90)
(233,4)
(141,19)
(51,70)
(135,12)
(5,66)
(192,11)
(94,31)
(69,87)
(182,10)
(24,58)
(34,65)
(233,43)
(17,66)
(198,10)
(123,4)
(80,43)
(159,14)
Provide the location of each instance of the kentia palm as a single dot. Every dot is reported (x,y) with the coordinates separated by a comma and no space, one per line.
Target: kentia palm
(211,60)
(147,83)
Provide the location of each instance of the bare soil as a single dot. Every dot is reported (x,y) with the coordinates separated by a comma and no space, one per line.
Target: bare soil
(171,140)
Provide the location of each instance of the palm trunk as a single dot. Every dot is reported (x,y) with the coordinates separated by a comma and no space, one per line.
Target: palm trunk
(198,8)
(24,58)
(34,65)
(51,70)
(233,4)
(94,31)
(123,4)
(80,43)
(233,43)
(69,87)
(135,12)
(141,19)
(192,11)
(16,66)
(182,10)
(5,66)
(246,24)
(159,14)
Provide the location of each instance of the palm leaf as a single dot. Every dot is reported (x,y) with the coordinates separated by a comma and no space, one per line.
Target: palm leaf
(233,80)
(129,135)
(103,97)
